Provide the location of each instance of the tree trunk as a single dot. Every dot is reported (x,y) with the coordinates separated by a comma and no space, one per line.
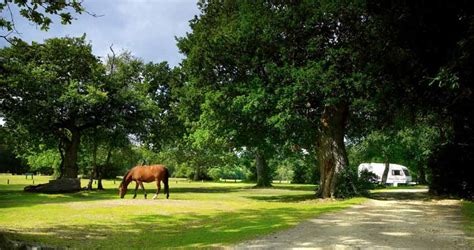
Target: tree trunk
(69,164)
(100,169)
(263,175)
(99,182)
(93,173)
(421,175)
(332,155)
(91,179)
(385,171)
(197,173)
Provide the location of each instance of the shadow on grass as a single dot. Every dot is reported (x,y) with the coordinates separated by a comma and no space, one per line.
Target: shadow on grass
(14,196)
(202,189)
(181,230)
(17,198)
(283,198)
(421,195)
(294,187)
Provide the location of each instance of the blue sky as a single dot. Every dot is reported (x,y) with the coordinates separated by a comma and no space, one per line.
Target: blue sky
(147,28)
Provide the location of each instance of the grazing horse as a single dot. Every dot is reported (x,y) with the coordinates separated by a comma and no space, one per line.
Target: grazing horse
(141,174)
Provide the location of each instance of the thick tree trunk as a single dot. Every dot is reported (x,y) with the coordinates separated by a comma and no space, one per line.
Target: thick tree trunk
(263,175)
(332,155)
(385,171)
(69,164)
(67,181)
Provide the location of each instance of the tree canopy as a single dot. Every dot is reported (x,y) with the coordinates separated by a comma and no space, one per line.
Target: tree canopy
(53,92)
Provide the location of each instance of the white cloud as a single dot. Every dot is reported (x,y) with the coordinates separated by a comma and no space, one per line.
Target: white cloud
(145,27)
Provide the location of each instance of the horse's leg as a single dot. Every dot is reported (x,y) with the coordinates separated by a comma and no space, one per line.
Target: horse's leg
(144,191)
(158,186)
(136,187)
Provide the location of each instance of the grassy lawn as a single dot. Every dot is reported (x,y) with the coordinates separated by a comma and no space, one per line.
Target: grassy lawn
(196,215)
(468,214)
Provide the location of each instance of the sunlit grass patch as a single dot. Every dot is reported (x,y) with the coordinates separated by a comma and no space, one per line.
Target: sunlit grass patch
(468,216)
(196,215)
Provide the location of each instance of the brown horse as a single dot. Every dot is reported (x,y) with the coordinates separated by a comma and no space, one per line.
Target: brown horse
(141,174)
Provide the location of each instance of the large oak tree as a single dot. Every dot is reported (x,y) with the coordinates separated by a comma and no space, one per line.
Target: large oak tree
(274,71)
(51,93)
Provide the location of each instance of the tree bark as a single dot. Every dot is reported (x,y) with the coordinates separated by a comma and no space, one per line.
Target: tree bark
(385,171)
(69,164)
(263,175)
(332,155)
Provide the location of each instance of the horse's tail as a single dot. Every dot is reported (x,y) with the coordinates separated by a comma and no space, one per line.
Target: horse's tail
(165,181)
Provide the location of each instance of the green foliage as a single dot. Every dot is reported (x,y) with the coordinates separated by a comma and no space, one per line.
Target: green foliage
(351,184)
(38,12)
(283,173)
(44,160)
(437,39)
(411,146)
(58,91)
(367,180)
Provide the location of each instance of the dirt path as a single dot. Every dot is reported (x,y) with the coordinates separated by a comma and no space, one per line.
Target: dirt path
(397,219)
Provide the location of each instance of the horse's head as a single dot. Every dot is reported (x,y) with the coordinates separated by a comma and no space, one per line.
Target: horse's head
(122,190)
(123,185)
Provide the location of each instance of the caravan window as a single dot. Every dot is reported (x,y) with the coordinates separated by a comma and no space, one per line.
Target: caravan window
(406,172)
(396,172)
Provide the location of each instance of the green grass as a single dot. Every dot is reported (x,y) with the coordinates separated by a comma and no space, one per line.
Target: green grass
(468,219)
(196,215)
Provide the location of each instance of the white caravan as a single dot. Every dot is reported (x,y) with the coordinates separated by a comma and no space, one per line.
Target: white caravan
(397,174)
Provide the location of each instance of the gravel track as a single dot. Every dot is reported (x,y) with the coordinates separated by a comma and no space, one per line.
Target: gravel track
(393,219)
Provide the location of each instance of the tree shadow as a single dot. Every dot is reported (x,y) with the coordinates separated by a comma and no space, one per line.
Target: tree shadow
(283,198)
(17,198)
(393,195)
(9,198)
(202,189)
(170,231)
(307,187)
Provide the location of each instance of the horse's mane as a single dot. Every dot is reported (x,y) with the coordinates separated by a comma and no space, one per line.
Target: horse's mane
(124,177)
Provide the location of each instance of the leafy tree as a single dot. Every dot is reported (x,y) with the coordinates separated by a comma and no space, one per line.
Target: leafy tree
(294,69)
(44,160)
(100,144)
(410,146)
(436,38)
(54,92)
